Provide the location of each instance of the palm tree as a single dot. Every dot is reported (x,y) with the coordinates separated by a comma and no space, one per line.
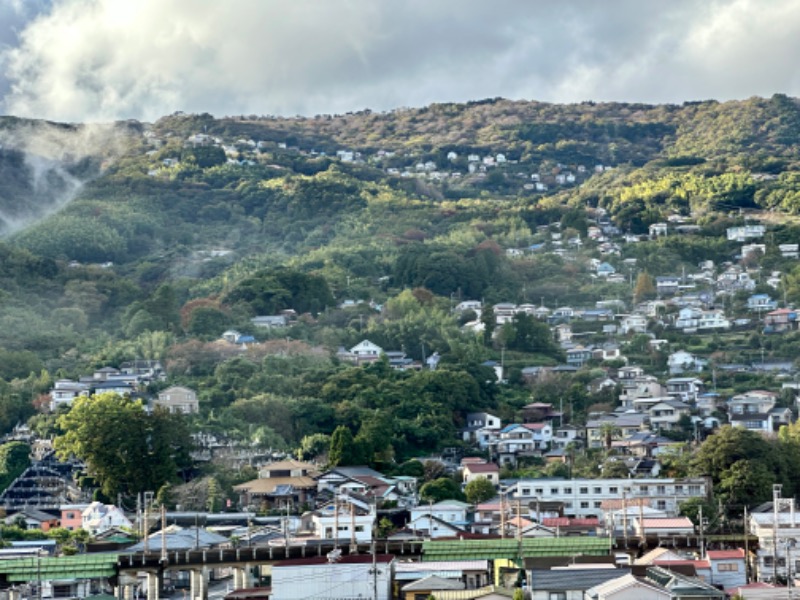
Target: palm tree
(609,431)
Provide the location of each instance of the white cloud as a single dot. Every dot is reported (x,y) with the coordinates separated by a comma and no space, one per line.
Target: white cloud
(105,59)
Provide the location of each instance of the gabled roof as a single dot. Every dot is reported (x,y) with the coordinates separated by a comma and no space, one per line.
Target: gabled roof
(563,580)
(433,582)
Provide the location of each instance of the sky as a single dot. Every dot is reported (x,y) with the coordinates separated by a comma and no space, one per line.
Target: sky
(103,60)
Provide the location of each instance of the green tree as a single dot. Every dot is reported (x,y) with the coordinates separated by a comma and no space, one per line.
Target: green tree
(341,451)
(15,457)
(444,488)
(479,490)
(125,449)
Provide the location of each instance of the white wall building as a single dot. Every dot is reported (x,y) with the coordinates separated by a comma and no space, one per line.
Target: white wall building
(319,577)
(583,497)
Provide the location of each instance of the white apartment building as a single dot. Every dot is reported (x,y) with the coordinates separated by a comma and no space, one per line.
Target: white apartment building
(583,498)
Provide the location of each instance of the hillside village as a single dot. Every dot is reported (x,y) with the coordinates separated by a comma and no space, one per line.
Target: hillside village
(560,374)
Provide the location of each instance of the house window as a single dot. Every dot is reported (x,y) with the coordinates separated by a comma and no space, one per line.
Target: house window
(679,489)
(644,490)
(661,490)
(767,561)
(539,491)
(70,515)
(558,596)
(613,490)
(526,491)
(661,505)
(567,490)
(554,491)
(727,567)
(597,504)
(781,562)
(584,505)
(694,490)
(598,490)
(584,490)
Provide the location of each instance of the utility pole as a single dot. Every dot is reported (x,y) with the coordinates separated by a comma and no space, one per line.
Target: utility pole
(702,552)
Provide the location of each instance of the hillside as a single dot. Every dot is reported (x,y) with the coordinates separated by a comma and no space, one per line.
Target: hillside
(150,240)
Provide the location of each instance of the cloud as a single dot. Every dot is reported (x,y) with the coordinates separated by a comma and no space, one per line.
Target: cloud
(96,60)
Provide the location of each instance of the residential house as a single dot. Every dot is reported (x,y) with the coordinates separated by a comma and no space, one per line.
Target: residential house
(761,303)
(728,568)
(578,356)
(625,424)
(605,269)
(745,233)
(663,526)
(72,516)
(536,412)
(775,544)
(665,415)
(178,399)
(633,323)
(667,285)
(627,587)
(270,321)
(789,250)
(287,482)
(568,584)
(430,586)
(429,518)
(569,434)
(65,391)
(473,574)
(344,518)
(713,319)
(366,351)
(682,361)
(780,320)
(657,230)
(98,517)
(481,428)
(684,388)
(33,518)
(688,318)
(490,471)
(522,440)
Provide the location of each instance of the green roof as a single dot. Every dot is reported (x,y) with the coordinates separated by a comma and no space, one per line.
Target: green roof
(513,549)
(48,568)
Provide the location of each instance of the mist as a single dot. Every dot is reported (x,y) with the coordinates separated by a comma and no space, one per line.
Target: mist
(43,166)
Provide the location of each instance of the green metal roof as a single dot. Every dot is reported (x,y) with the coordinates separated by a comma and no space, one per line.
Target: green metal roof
(513,549)
(48,568)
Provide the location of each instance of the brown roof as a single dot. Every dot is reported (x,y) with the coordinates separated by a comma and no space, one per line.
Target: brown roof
(267,485)
(290,465)
(482,468)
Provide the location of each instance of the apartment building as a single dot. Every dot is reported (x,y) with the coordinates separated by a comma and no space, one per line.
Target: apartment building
(582,498)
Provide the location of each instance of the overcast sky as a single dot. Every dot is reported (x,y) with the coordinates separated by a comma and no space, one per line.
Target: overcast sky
(96,60)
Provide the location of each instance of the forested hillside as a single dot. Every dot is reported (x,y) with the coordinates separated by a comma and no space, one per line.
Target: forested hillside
(154,239)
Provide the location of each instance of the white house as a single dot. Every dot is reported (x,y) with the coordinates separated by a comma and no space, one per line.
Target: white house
(178,399)
(366,351)
(65,391)
(450,512)
(99,517)
(681,361)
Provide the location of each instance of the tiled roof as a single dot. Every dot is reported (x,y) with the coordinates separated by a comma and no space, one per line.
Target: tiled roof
(668,523)
(725,554)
